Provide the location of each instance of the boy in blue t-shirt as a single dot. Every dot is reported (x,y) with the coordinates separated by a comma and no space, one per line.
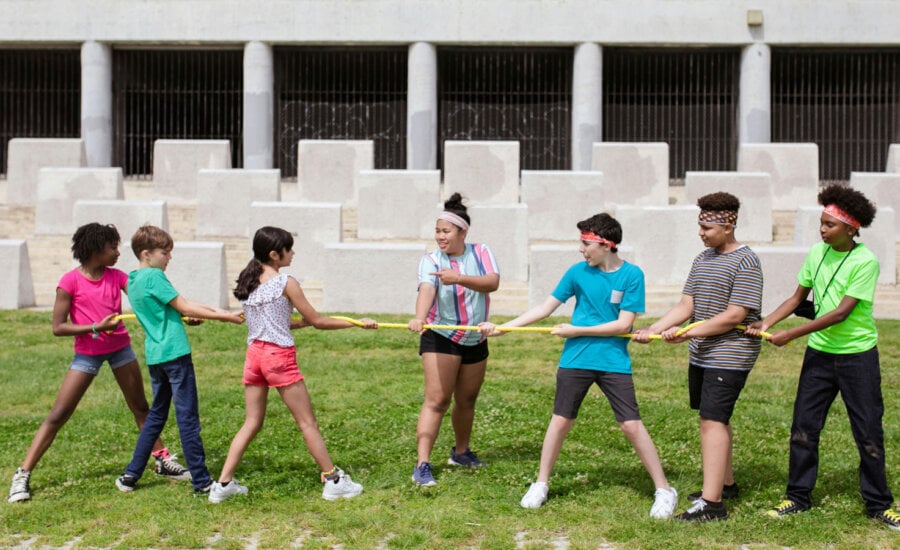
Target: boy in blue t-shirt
(609,293)
(159,308)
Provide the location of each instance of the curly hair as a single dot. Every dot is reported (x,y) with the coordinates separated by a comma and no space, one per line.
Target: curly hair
(719,201)
(850,201)
(92,238)
(603,225)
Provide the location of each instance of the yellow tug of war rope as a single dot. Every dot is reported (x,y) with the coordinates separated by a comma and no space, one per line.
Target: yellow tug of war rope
(359,323)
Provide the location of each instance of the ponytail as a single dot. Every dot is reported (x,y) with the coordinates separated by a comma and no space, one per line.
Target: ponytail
(248,280)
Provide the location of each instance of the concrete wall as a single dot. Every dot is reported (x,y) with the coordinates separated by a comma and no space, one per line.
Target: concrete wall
(464,21)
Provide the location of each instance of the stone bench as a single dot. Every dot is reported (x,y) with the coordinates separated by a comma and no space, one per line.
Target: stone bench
(666,253)
(483,172)
(327,169)
(26,156)
(176,162)
(224,198)
(17,290)
(313,225)
(397,204)
(557,200)
(378,278)
(780,266)
(59,188)
(635,174)
(883,189)
(198,272)
(794,168)
(893,158)
(753,189)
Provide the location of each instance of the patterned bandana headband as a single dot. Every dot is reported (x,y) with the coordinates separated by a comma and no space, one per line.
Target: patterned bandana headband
(590,237)
(718,217)
(454,219)
(836,211)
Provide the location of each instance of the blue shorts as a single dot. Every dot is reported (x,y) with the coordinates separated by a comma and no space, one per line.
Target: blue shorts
(91,364)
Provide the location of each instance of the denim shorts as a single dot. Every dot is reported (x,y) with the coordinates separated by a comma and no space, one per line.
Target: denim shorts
(572,386)
(91,364)
(270,365)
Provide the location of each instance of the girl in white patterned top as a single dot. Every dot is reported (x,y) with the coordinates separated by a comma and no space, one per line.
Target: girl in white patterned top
(268,298)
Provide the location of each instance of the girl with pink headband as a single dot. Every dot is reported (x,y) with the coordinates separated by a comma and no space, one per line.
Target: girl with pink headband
(455,282)
(841,355)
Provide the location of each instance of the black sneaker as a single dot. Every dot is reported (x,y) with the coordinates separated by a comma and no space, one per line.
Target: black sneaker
(126,483)
(704,511)
(889,518)
(728,492)
(168,467)
(468,459)
(784,508)
(204,491)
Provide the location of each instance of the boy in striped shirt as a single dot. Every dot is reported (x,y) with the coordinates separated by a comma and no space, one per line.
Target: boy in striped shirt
(723,289)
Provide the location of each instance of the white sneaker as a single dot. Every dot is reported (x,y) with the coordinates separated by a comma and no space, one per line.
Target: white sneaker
(536,495)
(340,486)
(664,504)
(219,492)
(20,489)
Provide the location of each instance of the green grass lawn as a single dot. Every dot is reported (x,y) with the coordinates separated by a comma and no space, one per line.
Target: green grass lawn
(366,388)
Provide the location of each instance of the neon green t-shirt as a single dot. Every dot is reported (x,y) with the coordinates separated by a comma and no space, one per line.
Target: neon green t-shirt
(150,292)
(856,278)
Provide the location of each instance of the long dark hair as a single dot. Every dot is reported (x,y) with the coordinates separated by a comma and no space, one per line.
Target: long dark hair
(266,240)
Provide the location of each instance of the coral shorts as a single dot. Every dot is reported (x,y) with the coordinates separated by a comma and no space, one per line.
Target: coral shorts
(271,365)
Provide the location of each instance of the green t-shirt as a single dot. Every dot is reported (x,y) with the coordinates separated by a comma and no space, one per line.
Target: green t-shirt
(856,277)
(150,292)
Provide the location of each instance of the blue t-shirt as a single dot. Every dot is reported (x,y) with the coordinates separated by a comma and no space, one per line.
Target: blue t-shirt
(599,297)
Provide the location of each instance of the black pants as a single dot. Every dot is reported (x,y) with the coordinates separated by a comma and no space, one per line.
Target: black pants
(858,379)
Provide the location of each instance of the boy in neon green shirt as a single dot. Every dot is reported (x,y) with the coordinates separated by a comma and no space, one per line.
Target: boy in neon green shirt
(841,355)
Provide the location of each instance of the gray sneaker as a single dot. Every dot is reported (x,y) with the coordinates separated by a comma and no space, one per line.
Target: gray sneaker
(422,475)
(339,485)
(20,489)
(219,492)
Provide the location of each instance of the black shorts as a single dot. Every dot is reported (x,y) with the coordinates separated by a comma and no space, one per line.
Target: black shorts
(572,386)
(432,342)
(714,392)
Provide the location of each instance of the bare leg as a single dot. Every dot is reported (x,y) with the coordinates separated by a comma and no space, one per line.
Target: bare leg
(715,445)
(296,397)
(441,371)
(556,433)
(69,395)
(255,399)
(643,445)
(468,385)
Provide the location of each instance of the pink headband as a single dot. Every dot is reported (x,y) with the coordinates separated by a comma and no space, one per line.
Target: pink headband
(590,237)
(718,217)
(454,219)
(836,211)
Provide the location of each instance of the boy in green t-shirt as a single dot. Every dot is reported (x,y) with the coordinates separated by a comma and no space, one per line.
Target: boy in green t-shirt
(159,308)
(841,355)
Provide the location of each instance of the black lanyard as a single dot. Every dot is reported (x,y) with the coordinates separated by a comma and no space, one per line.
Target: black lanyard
(825,292)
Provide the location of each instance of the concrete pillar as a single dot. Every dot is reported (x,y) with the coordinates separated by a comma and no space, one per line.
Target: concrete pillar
(755,116)
(259,106)
(96,103)
(422,108)
(587,99)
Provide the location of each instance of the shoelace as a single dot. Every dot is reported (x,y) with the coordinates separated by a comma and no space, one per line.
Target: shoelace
(784,505)
(20,482)
(699,506)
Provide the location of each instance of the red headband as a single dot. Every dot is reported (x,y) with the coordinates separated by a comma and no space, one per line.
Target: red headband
(841,214)
(590,237)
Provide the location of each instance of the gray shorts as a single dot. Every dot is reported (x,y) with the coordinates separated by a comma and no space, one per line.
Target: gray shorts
(91,364)
(572,386)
